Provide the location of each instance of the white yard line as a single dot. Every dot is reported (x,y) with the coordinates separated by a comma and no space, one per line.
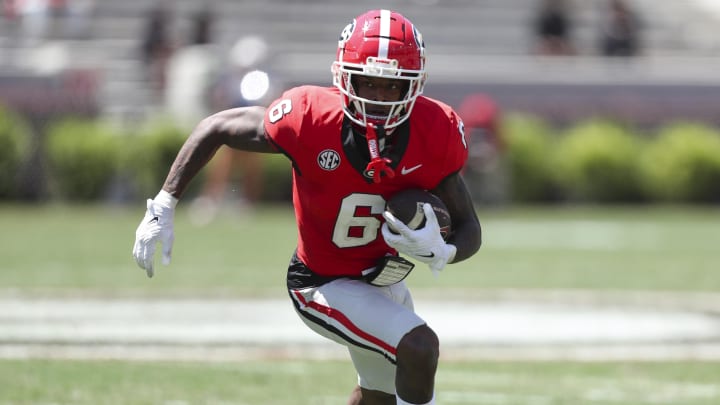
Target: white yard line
(196,329)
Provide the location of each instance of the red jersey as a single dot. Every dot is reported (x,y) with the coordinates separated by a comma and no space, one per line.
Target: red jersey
(338,208)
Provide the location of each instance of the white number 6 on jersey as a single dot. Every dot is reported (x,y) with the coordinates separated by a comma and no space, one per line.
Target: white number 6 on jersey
(279,110)
(347,219)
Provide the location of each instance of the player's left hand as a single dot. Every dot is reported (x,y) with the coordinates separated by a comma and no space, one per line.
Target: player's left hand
(156,227)
(425,244)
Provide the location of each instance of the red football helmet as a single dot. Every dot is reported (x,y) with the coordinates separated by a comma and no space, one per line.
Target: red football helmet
(380,43)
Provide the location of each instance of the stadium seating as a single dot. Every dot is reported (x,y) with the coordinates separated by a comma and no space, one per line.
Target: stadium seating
(469,40)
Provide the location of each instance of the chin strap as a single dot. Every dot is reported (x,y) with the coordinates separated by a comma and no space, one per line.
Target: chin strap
(378,165)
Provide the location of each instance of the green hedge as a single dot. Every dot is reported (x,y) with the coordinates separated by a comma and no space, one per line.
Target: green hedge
(149,153)
(277,178)
(15,151)
(603,161)
(596,161)
(592,161)
(682,164)
(530,142)
(83,158)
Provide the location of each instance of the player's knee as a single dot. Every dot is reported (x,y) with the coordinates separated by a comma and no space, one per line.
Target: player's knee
(419,346)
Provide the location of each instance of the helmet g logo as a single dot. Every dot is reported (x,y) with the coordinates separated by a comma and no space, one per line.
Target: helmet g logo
(347,32)
(418,39)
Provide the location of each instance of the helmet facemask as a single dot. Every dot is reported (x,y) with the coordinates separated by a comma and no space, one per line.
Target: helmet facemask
(363,111)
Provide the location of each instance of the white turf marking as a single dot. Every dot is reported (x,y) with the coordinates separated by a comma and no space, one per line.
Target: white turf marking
(230,329)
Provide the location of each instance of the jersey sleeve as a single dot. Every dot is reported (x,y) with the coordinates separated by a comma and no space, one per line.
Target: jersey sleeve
(284,119)
(457,147)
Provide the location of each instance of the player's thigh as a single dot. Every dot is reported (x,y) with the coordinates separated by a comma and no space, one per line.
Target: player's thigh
(356,314)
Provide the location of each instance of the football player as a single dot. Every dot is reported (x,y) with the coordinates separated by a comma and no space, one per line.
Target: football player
(352,146)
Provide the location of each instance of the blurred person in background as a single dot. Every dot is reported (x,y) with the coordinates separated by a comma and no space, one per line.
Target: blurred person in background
(11,21)
(50,19)
(157,45)
(552,28)
(244,81)
(190,72)
(79,15)
(484,171)
(33,16)
(352,147)
(202,26)
(620,30)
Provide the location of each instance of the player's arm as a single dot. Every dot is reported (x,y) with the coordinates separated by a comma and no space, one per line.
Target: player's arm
(466,235)
(238,128)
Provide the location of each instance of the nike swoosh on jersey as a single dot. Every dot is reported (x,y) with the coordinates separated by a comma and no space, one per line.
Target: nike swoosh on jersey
(431,255)
(406,170)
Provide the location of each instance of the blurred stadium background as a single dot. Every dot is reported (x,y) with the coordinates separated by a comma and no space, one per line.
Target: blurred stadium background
(84,58)
(471,43)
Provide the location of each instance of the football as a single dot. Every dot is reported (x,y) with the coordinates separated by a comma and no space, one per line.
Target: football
(406,205)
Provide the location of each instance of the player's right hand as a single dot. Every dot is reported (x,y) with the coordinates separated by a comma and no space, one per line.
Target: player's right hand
(156,227)
(425,244)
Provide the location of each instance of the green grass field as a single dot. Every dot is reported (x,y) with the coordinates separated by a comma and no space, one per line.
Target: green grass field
(75,251)
(329,382)
(63,249)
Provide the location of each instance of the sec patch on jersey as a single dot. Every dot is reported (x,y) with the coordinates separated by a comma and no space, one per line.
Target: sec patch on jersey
(406,205)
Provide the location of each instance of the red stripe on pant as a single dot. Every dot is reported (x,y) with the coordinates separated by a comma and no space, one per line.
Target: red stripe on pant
(344,321)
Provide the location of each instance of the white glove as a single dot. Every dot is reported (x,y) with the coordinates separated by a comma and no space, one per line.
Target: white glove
(156,226)
(425,244)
